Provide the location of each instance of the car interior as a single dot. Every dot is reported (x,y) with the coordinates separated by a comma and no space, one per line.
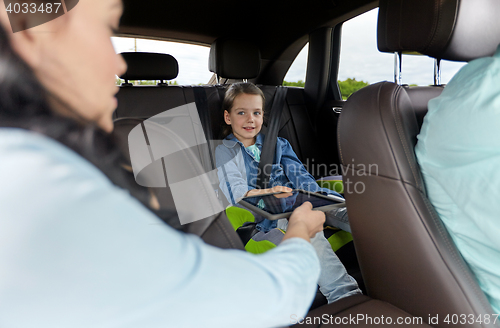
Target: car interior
(401,255)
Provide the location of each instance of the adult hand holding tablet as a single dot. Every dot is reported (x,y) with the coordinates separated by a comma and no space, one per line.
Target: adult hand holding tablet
(304,222)
(274,206)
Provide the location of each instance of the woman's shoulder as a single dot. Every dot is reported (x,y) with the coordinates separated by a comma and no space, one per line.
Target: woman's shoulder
(25,152)
(16,141)
(35,166)
(53,180)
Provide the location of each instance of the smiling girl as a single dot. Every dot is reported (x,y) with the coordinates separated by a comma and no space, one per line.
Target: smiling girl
(238,161)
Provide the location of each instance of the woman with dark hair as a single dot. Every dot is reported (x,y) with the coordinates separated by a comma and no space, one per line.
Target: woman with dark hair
(79,246)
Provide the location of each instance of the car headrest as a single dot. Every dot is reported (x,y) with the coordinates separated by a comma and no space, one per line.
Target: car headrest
(149,66)
(234,59)
(459,30)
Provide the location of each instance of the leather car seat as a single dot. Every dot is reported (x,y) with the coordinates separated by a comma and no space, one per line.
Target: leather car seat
(142,102)
(406,255)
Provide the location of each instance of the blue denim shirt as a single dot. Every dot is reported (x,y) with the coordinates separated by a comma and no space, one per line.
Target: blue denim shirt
(238,170)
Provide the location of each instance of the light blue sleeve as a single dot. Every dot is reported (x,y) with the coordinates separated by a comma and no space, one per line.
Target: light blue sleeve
(297,173)
(76,251)
(458,151)
(231,172)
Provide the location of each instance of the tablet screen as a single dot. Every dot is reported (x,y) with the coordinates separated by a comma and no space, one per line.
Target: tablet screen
(277,204)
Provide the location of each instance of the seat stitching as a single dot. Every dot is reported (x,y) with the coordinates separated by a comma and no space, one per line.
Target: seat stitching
(448,245)
(402,137)
(378,175)
(455,255)
(354,305)
(440,228)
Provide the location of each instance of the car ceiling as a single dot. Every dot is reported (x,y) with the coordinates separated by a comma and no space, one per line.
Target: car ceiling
(278,27)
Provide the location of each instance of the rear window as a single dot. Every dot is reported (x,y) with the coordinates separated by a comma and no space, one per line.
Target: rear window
(296,75)
(362,64)
(192,59)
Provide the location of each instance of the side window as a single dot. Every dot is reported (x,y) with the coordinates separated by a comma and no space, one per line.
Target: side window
(296,75)
(362,64)
(192,59)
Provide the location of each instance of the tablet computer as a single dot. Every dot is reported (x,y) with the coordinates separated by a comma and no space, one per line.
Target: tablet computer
(281,205)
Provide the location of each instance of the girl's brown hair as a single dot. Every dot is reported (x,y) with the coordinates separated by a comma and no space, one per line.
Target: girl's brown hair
(234,91)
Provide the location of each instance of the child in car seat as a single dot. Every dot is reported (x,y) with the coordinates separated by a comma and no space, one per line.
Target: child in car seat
(243,113)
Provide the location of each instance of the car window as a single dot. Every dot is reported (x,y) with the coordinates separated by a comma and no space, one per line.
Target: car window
(296,75)
(362,64)
(192,59)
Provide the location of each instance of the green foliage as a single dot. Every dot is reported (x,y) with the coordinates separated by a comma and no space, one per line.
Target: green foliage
(299,84)
(349,86)
(145,82)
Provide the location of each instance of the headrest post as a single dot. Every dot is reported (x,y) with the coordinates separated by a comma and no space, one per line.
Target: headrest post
(437,71)
(217,78)
(398,64)
(245,80)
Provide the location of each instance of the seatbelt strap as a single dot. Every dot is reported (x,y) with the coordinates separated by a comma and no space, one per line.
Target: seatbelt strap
(207,153)
(269,146)
(200,98)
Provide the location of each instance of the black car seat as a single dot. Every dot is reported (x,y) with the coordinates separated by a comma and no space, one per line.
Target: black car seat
(406,255)
(136,106)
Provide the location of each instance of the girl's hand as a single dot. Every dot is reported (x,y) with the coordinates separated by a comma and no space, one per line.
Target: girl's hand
(255,192)
(304,222)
